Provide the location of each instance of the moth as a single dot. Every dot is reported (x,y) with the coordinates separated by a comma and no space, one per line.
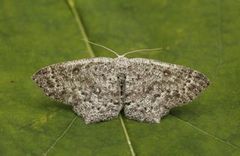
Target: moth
(99,88)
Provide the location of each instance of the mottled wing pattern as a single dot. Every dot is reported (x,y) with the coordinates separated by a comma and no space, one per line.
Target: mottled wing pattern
(89,85)
(153,88)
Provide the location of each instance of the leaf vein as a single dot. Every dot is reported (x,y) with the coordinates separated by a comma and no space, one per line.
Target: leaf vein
(60,136)
(78,19)
(206,133)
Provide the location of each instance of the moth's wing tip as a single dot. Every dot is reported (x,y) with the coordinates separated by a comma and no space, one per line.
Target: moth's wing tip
(206,80)
(34,76)
(40,74)
(202,79)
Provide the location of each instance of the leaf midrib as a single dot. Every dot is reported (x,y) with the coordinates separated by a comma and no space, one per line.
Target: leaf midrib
(76,15)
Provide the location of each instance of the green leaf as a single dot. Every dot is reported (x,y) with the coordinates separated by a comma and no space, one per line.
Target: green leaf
(203,35)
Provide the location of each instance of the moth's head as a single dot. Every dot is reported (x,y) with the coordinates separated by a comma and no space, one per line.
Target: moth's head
(121,57)
(121,60)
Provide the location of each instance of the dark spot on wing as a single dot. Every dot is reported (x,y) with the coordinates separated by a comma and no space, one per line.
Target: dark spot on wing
(116,103)
(176,94)
(167,72)
(75,70)
(127,103)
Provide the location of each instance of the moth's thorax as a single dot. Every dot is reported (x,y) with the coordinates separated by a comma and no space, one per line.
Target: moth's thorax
(121,62)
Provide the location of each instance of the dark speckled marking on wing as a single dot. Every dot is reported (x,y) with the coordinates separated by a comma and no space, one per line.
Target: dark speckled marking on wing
(89,85)
(153,88)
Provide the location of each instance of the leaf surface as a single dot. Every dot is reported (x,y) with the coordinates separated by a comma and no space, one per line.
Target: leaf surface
(202,35)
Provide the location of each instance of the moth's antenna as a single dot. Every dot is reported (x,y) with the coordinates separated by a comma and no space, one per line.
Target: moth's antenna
(141,50)
(103,47)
